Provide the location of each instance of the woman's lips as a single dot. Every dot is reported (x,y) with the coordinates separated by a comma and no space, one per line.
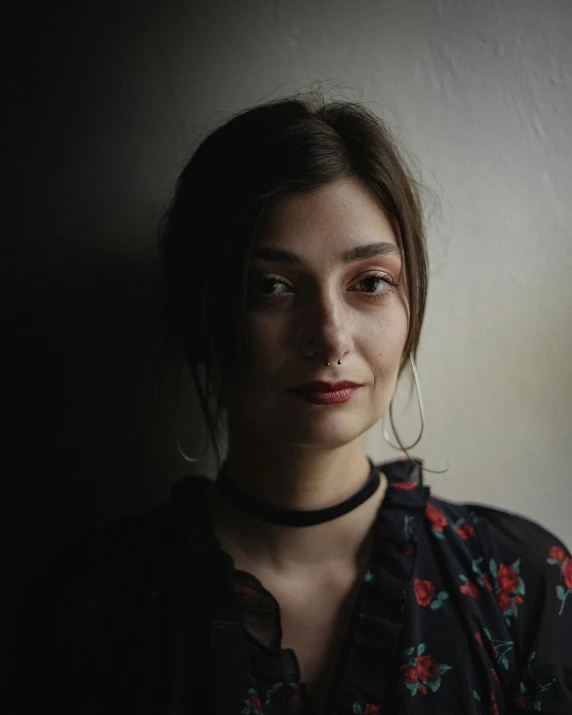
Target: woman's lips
(332,397)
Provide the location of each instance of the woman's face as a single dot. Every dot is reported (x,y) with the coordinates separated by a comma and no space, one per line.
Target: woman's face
(307,280)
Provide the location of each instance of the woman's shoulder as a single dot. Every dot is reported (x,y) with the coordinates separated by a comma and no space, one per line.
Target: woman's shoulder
(110,561)
(107,559)
(466,521)
(508,529)
(123,545)
(522,561)
(92,596)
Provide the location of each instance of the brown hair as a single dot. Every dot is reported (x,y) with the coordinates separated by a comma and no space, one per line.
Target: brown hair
(284,146)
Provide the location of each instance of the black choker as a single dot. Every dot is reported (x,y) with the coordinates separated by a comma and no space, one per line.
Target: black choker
(234,494)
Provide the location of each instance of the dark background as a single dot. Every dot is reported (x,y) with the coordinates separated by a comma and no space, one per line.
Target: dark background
(81,286)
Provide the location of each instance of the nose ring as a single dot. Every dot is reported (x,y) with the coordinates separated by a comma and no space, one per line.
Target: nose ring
(309,340)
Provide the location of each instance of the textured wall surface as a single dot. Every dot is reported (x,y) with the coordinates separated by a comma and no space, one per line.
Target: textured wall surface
(480,94)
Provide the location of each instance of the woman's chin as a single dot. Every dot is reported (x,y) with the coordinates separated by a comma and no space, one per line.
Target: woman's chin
(322,433)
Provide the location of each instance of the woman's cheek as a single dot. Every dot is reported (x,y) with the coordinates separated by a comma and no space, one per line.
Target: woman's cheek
(386,334)
(263,336)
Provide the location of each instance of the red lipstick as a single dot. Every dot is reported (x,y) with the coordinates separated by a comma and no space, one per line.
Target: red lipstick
(327,393)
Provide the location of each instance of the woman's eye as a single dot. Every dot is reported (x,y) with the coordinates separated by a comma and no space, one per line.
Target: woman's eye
(377,284)
(267,285)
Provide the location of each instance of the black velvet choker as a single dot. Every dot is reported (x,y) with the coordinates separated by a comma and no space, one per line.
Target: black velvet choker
(234,494)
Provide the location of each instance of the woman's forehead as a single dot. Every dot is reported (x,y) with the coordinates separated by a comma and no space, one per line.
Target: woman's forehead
(341,216)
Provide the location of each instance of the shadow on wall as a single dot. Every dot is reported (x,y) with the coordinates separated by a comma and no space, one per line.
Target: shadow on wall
(83,444)
(86,443)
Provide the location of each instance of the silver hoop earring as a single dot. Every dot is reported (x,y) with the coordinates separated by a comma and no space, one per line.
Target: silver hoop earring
(400,446)
(191,459)
(422,412)
(183,454)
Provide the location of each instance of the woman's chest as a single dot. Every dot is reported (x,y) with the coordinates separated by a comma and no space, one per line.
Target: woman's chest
(315,617)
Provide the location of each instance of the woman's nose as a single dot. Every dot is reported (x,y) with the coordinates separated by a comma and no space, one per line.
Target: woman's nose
(328,327)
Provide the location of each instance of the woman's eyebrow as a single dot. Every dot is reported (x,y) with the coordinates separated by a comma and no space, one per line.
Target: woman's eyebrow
(359,253)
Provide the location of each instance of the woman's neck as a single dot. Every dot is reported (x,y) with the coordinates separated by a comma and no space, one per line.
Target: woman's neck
(297,479)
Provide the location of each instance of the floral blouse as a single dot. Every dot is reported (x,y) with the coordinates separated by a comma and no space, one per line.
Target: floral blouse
(464,609)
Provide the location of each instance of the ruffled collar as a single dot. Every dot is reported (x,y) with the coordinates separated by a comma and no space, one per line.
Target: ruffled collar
(372,646)
(242,605)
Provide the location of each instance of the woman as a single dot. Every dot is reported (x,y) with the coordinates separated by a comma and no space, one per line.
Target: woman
(305,578)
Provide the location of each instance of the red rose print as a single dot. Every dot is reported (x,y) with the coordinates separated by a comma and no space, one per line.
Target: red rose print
(567,572)
(470,588)
(521,701)
(437,519)
(424,591)
(410,674)
(518,600)
(406,486)
(487,581)
(245,589)
(294,702)
(423,689)
(493,710)
(427,668)
(507,578)
(557,553)
(495,676)
(255,702)
(479,639)
(408,548)
(503,601)
(473,589)
(465,531)
(371,710)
